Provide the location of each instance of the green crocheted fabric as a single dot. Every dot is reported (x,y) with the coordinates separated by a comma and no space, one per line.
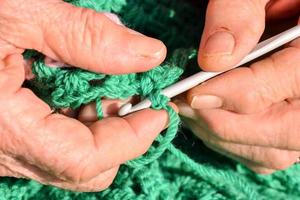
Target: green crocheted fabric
(177,166)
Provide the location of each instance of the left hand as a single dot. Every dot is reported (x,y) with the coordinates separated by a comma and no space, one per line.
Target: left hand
(35,143)
(250,114)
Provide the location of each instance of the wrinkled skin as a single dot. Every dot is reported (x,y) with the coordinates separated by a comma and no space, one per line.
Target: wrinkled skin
(52,148)
(248,114)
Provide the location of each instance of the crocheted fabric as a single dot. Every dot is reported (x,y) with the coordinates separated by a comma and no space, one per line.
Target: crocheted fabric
(173,168)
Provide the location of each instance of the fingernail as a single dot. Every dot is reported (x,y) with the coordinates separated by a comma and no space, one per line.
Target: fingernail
(174,106)
(146,47)
(53,63)
(114,18)
(206,102)
(220,43)
(186,110)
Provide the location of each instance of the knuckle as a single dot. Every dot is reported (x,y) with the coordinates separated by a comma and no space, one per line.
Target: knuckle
(264,91)
(95,35)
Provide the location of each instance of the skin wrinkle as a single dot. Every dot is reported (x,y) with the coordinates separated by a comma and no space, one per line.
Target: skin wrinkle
(296,76)
(209,143)
(82,177)
(289,129)
(102,45)
(13,164)
(60,33)
(280,80)
(33,169)
(45,142)
(273,161)
(37,161)
(82,174)
(82,16)
(6,170)
(87,30)
(285,77)
(265,95)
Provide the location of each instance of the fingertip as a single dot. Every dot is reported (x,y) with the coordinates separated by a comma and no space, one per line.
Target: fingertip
(185,109)
(218,51)
(147,52)
(133,52)
(148,123)
(227,37)
(174,107)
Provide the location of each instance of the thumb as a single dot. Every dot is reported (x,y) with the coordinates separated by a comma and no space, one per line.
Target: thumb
(83,37)
(232,29)
(254,89)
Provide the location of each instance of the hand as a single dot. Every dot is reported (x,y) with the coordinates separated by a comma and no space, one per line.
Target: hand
(52,148)
(248,114)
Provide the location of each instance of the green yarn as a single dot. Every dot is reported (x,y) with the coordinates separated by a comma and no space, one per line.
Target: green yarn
(177,165)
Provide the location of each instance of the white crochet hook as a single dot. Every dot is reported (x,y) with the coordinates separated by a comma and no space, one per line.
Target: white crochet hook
(194,80)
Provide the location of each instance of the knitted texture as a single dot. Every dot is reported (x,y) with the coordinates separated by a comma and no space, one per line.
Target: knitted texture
(177,165)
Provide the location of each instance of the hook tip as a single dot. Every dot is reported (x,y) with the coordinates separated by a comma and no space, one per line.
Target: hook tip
(125,109)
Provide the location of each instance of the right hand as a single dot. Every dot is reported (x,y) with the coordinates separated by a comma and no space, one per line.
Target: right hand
(52,148)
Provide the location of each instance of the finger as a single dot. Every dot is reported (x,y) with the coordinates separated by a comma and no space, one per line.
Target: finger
(8,49)
(276,127)
(249,90)
(265,157)
(12,74)
(227,35)
(6,172)
(259,159)
(201,130)
(131,137)
(21,169)
(97,184)
(79,154)
(185,109)
(283,9)
(258,168)
(87,39)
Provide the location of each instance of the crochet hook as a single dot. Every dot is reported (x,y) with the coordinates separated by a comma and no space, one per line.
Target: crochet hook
(194,80)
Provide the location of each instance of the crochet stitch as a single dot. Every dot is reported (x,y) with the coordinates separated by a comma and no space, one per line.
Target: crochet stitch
(174,167)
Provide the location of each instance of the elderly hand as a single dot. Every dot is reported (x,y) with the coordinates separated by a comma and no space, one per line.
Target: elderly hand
(248,114)
(52,148)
